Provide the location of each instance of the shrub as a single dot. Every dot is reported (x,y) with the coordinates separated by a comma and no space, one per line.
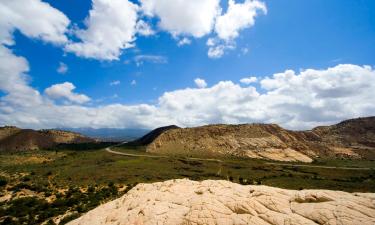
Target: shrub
(3,181)
(26,178)
(69,218)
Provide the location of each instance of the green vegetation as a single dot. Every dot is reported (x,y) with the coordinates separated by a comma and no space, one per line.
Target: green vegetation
(44,185)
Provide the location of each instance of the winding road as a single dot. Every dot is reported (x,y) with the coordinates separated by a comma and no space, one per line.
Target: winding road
(108,149)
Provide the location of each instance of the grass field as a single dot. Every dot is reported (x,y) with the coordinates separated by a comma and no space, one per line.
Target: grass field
(71,182)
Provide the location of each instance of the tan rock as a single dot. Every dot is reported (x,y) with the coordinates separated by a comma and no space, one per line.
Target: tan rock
(354,139)
(185,202)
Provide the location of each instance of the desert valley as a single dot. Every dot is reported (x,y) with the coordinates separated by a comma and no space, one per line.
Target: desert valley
(214,174)
(187,112)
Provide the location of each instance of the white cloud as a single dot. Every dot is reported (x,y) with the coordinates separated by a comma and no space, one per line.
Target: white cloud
(249,80)
(184,41)
(144,28)
(111,27)
(133,83)
(244,51)
(200,83)
(216,51)
(39,21)
(34,18)
(238,16)
(158,59)
(294,100)
(63,68)
(227,27)
(217,47)
(14,81)
(114,83)
(64,90)
(211,42)
(180,17)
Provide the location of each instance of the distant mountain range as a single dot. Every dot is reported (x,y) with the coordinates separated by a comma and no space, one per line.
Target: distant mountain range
(110,134)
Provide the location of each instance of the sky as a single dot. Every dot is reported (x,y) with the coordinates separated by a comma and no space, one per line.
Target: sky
(151,63)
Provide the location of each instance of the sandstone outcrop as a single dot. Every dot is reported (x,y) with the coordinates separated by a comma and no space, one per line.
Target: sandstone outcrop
(349,139)
(185,202)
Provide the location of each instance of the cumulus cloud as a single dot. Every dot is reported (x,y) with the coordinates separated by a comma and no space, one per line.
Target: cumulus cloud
(111,27)
(216,51)
(249,80)
(38,21)
(217,47)
(194,17)
(227,27)
(184,41)
(238,17)
(200,83)
(296,100)
(144,28)
(65,91)
(14,82)
(33,18)
(62,69)
(115,83)
(140,59)
(198,18)
(293,100)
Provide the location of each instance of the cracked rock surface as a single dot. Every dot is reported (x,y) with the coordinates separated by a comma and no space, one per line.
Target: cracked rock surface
(186,202)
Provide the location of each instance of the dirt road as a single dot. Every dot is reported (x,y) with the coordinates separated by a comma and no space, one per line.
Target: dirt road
(218,160)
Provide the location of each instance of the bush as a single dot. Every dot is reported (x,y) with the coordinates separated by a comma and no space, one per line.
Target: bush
(90,189)
(26,178)
(50,222)
(19,186)
(3,181)
(49,173)
(69,218)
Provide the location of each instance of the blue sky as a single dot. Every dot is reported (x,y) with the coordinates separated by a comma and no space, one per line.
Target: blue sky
(291,35)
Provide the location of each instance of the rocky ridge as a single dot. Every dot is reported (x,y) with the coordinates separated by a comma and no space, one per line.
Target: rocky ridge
(348,139)
(185,202)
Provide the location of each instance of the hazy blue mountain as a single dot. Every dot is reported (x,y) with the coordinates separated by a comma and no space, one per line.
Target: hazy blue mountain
(110,134)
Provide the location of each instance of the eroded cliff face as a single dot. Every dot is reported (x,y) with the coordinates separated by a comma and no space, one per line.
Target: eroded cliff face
(349,139)
(183,202)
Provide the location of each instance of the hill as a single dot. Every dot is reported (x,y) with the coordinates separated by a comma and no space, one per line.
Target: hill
(16,139)
(353,138)
(151,136)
